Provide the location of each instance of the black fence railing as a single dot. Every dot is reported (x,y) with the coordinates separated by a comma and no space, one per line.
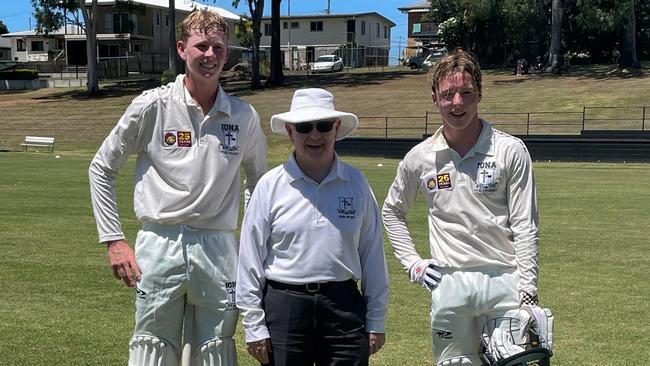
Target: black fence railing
(515,123)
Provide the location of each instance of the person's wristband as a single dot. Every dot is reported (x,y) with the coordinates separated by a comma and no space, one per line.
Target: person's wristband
(528,299)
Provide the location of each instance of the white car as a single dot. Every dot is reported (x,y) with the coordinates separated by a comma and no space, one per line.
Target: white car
(431,60)
(328,63)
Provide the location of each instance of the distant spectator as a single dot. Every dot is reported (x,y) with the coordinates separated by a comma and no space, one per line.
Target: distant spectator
(522,66)
(539,65)
(616,55)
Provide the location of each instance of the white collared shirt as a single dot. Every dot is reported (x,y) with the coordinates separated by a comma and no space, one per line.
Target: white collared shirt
(297,231)
(482,207)
(187,168)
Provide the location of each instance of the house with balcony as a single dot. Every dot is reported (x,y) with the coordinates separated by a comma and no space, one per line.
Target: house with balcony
(140,27)
(361,39)
(422,34)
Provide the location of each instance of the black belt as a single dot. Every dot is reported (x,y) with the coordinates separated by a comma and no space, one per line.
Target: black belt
(311,288)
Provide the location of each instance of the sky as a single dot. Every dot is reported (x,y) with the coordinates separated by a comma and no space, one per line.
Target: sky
(17,14)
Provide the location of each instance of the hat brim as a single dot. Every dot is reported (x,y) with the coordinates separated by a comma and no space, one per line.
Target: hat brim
(349,121)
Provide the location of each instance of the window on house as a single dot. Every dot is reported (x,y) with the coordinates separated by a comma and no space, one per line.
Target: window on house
(37,46)
(295,25)
(109,50)
(316,26)
(138,47)
(285,25)
(121,23)
(377,30)
(167,20)
(363,27)
(385,32)
(267,29)
(157,18)
(20,45)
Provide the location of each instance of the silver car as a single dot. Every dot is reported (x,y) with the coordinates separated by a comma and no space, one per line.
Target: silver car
(327,63)
(431,60)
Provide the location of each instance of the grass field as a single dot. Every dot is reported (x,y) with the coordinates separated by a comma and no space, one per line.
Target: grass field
(60,305)
(80,124)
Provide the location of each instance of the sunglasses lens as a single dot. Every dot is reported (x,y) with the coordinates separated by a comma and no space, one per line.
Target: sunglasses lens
(324,126)
(304,127)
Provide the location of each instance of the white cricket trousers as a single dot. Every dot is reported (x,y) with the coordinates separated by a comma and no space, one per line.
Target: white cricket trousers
(460,306)
(178,262)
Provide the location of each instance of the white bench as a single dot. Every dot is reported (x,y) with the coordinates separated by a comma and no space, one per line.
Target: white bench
(37,141)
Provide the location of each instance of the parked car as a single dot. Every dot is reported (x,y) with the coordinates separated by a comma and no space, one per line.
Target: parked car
(415,62)
(431,60)
(327,63)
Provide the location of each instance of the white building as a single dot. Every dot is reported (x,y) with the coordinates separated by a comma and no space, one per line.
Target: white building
(361,39)
(142,28)
(5,49)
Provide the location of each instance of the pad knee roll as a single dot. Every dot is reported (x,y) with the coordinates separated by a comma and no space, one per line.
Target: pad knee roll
(456,361)
(216,352)
(151,351)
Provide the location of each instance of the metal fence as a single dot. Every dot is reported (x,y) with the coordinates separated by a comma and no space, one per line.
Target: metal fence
(515,123)
(299,60)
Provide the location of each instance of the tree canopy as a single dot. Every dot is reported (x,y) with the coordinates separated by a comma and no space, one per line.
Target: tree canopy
(499,31)
(3,28)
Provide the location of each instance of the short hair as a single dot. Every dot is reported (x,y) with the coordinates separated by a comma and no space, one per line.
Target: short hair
(456,60)
(204,21)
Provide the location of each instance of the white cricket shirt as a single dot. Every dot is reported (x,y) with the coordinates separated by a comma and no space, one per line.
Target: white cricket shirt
(482,207)
(187,169)
(297,231)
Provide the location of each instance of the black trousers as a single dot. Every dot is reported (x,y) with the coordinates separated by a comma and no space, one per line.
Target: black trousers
(322,328)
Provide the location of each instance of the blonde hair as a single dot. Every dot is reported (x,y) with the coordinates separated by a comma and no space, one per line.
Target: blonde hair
(456,60)
(204,21)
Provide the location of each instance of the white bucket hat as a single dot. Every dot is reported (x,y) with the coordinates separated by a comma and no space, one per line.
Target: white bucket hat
(309,105)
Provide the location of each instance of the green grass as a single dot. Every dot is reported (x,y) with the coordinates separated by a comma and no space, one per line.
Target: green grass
(80,124)
(60,304)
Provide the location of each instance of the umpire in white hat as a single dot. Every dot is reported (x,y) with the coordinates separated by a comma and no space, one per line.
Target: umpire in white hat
(312,282)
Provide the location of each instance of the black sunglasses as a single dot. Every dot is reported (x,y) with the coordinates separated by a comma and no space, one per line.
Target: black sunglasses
(322,126)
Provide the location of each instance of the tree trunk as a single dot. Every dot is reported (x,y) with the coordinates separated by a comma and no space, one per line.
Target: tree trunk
(555,57)
(276,76)
(172,37)
(256,15)
(628,52)
(92,86)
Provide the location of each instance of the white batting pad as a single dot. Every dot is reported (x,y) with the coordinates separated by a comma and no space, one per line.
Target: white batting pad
(150,351)
(456,361)
(217,352)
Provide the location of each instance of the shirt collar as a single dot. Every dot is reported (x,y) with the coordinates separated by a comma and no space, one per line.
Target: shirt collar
(484,144)
(294,171)
(221,104)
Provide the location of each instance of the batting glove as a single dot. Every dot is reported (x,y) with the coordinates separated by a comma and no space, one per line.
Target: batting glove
(426,272)
(536,325)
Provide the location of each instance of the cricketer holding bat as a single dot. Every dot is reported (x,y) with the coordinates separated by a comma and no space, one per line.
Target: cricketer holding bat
(480,192)
(190,138)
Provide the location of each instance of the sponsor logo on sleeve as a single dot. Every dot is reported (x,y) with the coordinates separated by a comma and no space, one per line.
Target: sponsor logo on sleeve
(177,138)
(184,138)
(433,181)
(170,138)
(444,181)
